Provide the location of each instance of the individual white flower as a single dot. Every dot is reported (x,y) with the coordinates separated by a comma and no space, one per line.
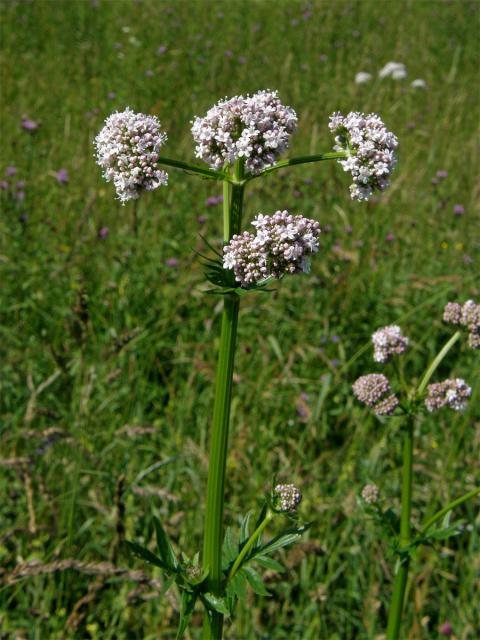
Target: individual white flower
(395,70)
(370,148)
(362,77)
(419,84)
(256,128)
(282,245)
(127,149)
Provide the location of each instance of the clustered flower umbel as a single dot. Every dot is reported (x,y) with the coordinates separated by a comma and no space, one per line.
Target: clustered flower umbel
(286,497)
(371,151)
(281,245)
(466,315)
(370,493)
(388,341)
(374,390)
(256,128)
(453,393)
(127,149)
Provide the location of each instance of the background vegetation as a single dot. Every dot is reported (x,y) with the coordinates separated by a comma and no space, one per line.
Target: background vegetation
(108,344)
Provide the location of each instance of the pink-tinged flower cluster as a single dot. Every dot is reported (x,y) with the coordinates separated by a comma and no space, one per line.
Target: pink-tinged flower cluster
(127,149)
(370,493)
(370,148)
(374,390)
(453,393)
(388,341)
(256,128)
(282,245)
(466,315)
(286,497)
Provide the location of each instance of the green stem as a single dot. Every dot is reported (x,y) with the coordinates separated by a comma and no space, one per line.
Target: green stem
(398,595)
(192,168)
(332,155)
(249,544)
(451,505)
(213,540)
(437,360)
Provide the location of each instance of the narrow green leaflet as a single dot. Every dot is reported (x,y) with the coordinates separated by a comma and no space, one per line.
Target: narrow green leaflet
(186,610)
(255,581)
(269,563)
(230,548)
(145,554)
(245,528)
(164,546)
(216,603)
(237,586)
(282,540)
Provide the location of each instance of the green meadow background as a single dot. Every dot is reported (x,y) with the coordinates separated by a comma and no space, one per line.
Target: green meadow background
(108,341)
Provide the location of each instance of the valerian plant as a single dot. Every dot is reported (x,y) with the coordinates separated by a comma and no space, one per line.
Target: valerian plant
(239,139)
(375,391)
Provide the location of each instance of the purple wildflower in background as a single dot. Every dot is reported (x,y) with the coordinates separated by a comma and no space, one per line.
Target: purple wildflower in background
(149,73)
(161,49)
(459,209)
(171,262)
(3,185)
(445,629)
(62,176)
(111,95)
(211,201)
(10,171)
(241,60)
(103,232)
(201,219)
(390,237)
(228,53)
(442,174)
(29,125)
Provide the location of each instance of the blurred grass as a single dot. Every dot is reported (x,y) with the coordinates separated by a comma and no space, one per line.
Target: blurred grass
(133,339)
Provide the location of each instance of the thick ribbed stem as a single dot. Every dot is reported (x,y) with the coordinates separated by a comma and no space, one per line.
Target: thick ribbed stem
(398,595)
(213,540)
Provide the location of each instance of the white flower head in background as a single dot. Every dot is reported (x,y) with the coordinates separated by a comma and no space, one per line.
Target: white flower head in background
(362,77)
(418,83)
(394,70)
(127,149)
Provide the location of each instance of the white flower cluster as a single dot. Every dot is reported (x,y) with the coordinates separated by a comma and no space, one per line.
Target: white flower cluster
(281,245)
(374,390)
(127,149)
(467,315)
(371,151)
(452,393)
(286,497)
(388,341)
(370,493)
(256,128)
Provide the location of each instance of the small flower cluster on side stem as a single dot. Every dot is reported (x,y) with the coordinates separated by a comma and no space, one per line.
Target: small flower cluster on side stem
(371,148)
(128,149)
(466,315)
